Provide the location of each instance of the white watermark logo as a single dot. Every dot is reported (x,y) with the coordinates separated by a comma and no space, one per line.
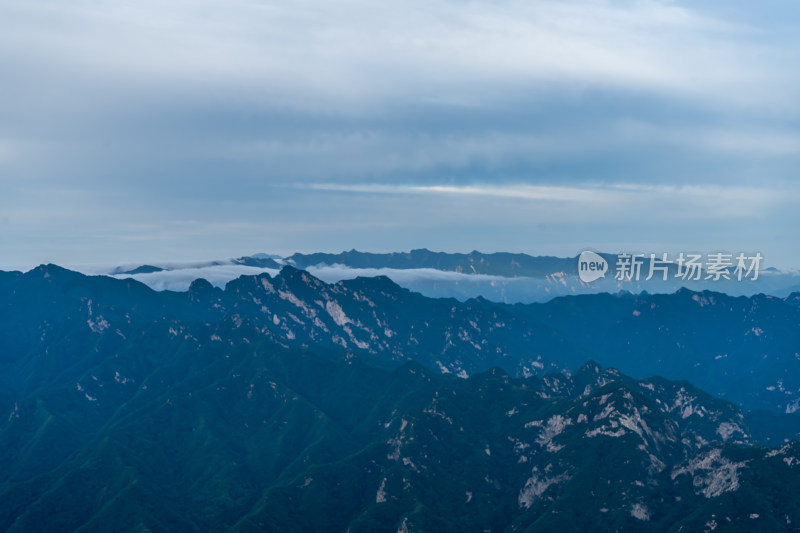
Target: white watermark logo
(591,266)
(685,266)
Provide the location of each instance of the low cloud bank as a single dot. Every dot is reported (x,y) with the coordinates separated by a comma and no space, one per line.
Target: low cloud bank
(438,283)
(180,279)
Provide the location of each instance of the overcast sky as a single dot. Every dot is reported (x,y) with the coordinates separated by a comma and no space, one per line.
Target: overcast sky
(177,130)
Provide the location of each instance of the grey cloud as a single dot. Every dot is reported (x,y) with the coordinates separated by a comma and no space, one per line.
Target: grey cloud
(164,129)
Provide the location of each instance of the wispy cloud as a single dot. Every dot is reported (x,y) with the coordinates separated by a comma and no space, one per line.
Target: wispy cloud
(528,192)
(715,200)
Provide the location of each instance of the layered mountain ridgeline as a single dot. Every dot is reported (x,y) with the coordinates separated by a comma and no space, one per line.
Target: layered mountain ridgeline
(129,410)
(745,349)
(504,264)
(497,264)
(517,277)
(501,277)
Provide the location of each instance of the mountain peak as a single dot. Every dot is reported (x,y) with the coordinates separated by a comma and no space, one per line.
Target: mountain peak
(51,272)
(142,269)
(258,261)
(590,367)
(200,286)
(794,298)
(293,276)
(375,283)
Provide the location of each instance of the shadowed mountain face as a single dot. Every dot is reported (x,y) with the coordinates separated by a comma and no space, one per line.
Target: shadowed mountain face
(131,410)
(743,349)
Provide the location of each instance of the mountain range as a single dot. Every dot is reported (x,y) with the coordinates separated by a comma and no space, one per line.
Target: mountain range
(745,349)
(283,403)
(501,277)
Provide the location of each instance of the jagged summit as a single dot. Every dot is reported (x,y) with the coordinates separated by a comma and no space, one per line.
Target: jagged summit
(201,288)
(51,269)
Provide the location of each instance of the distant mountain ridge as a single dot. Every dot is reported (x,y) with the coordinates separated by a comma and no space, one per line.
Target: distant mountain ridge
(504,264)
(503,277)
(496,264)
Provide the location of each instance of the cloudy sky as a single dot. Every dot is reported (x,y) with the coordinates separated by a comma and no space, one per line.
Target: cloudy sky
(176,130)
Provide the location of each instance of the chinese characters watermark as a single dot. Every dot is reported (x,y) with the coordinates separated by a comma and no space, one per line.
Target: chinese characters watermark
(685,266)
